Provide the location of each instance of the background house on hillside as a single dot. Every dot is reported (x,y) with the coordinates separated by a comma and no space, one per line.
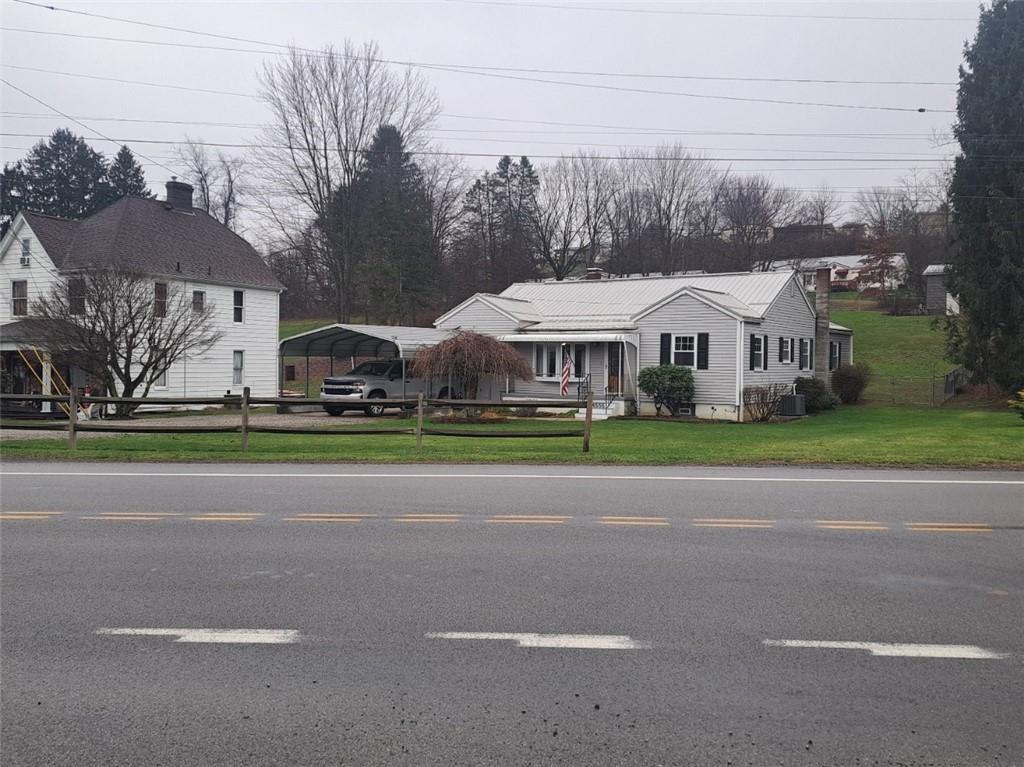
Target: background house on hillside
(847,272)
(183,250)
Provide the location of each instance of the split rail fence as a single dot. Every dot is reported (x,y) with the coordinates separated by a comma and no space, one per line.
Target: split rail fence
(74,425)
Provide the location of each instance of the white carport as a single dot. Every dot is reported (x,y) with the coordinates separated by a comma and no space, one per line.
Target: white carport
(343,340)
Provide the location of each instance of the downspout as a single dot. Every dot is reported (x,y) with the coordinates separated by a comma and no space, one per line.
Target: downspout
(739,370)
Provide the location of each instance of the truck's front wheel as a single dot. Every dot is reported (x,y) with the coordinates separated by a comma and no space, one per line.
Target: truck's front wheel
(375,411)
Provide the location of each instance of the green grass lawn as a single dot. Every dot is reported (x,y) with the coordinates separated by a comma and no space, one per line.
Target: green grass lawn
(288,328)
(862,435)
(900,347)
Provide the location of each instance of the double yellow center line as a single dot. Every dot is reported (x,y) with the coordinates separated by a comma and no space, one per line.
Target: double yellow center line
(33,516)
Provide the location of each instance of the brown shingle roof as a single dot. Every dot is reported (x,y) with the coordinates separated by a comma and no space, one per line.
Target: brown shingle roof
(148,236)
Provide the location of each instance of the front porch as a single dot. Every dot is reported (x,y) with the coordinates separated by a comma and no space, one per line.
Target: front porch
(603,364)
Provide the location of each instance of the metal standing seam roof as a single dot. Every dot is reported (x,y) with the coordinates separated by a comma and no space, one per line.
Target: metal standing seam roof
(614,302)
(345,340)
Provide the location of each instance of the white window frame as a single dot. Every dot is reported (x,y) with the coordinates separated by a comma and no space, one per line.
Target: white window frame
(759,344)
(693,350)
(203,300)
(238,309)
(577,375)
(26,251)
(787,350)
(13,299)
(238,370)
(161,380)
(835,360)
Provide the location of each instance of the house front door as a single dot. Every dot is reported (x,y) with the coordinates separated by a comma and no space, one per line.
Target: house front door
(615,368)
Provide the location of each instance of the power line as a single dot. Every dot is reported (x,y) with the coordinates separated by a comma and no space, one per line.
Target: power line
(493,68)
(520,78)
(132,82)
(77,122)
(440,153)
(726,14)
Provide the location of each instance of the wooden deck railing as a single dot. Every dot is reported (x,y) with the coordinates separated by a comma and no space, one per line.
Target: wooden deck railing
(73,425)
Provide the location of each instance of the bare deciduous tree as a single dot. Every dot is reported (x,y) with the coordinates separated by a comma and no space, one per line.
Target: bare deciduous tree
(880,208)
(752,206)
(218,180)
(558,219)
(595,180)
(820,208)
(325,108)
(122,329)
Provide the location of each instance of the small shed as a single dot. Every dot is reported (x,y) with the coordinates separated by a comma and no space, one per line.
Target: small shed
(340,340)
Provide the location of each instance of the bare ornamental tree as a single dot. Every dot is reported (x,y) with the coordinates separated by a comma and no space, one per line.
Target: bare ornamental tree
(471,357)
(123,328)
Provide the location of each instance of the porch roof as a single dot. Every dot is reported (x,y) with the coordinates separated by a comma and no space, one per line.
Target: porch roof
(567,338)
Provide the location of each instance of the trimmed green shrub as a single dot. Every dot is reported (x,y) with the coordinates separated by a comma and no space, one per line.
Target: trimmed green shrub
(817,396)
(1018,403)
(850,381)
(670,386)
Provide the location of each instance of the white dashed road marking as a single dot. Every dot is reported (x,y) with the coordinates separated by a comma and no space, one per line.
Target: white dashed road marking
(213,636)
(561,641)
(896,650)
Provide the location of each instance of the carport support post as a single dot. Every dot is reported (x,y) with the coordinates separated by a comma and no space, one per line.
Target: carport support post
(72,417)
(419,420)
(587,421)
(245,419)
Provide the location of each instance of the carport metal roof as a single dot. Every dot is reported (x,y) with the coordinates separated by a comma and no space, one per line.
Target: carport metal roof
(343,340)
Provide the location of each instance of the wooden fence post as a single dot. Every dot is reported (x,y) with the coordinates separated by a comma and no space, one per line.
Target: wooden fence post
(245,419)
(72,418)
(419,420)
(587,420)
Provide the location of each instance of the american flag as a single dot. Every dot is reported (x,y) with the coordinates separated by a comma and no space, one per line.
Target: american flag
(566,370)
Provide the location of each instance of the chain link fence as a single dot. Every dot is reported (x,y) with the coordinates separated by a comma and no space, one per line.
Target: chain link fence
(930,391)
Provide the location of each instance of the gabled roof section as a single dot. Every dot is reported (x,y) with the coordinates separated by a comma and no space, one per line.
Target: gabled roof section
(149,237)
(54,234)
(517,310)
(617,302)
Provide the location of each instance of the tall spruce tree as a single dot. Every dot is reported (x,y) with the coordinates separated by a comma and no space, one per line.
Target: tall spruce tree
(987,194)
(393,235)
(62,176)
(125,176)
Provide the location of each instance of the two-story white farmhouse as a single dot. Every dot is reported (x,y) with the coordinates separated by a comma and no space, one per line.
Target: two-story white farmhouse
(731,330)
(184,250)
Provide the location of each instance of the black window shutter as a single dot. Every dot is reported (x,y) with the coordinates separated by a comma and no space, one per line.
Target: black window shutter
(702,351)
(839,355)
(792,349)
(753,354)
(666,348)
(764,353)
(780,349)
(810,354)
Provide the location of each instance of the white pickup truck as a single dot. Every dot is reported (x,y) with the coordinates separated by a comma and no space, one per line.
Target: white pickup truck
(377,379)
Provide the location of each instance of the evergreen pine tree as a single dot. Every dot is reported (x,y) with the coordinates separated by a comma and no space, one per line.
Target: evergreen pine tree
(988,200)
(62,176)
(126,177)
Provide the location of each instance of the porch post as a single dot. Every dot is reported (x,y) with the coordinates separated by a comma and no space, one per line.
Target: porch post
(47,383)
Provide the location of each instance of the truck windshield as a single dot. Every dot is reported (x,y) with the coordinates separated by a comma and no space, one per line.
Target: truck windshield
(372,368)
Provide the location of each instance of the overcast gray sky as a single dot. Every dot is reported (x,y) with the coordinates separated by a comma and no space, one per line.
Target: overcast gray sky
(919,42)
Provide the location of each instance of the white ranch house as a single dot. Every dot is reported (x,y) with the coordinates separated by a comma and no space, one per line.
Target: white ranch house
(185,250)
(732,330)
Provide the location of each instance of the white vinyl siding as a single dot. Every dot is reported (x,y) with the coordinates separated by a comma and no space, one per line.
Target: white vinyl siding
(40,274)
(686,316)
(480,318)
(789,317)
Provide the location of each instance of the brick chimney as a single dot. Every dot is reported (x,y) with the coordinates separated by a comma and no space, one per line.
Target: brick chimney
(822,312)
(179,195)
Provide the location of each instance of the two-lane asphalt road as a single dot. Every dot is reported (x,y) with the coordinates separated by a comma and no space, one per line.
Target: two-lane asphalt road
(365,615)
